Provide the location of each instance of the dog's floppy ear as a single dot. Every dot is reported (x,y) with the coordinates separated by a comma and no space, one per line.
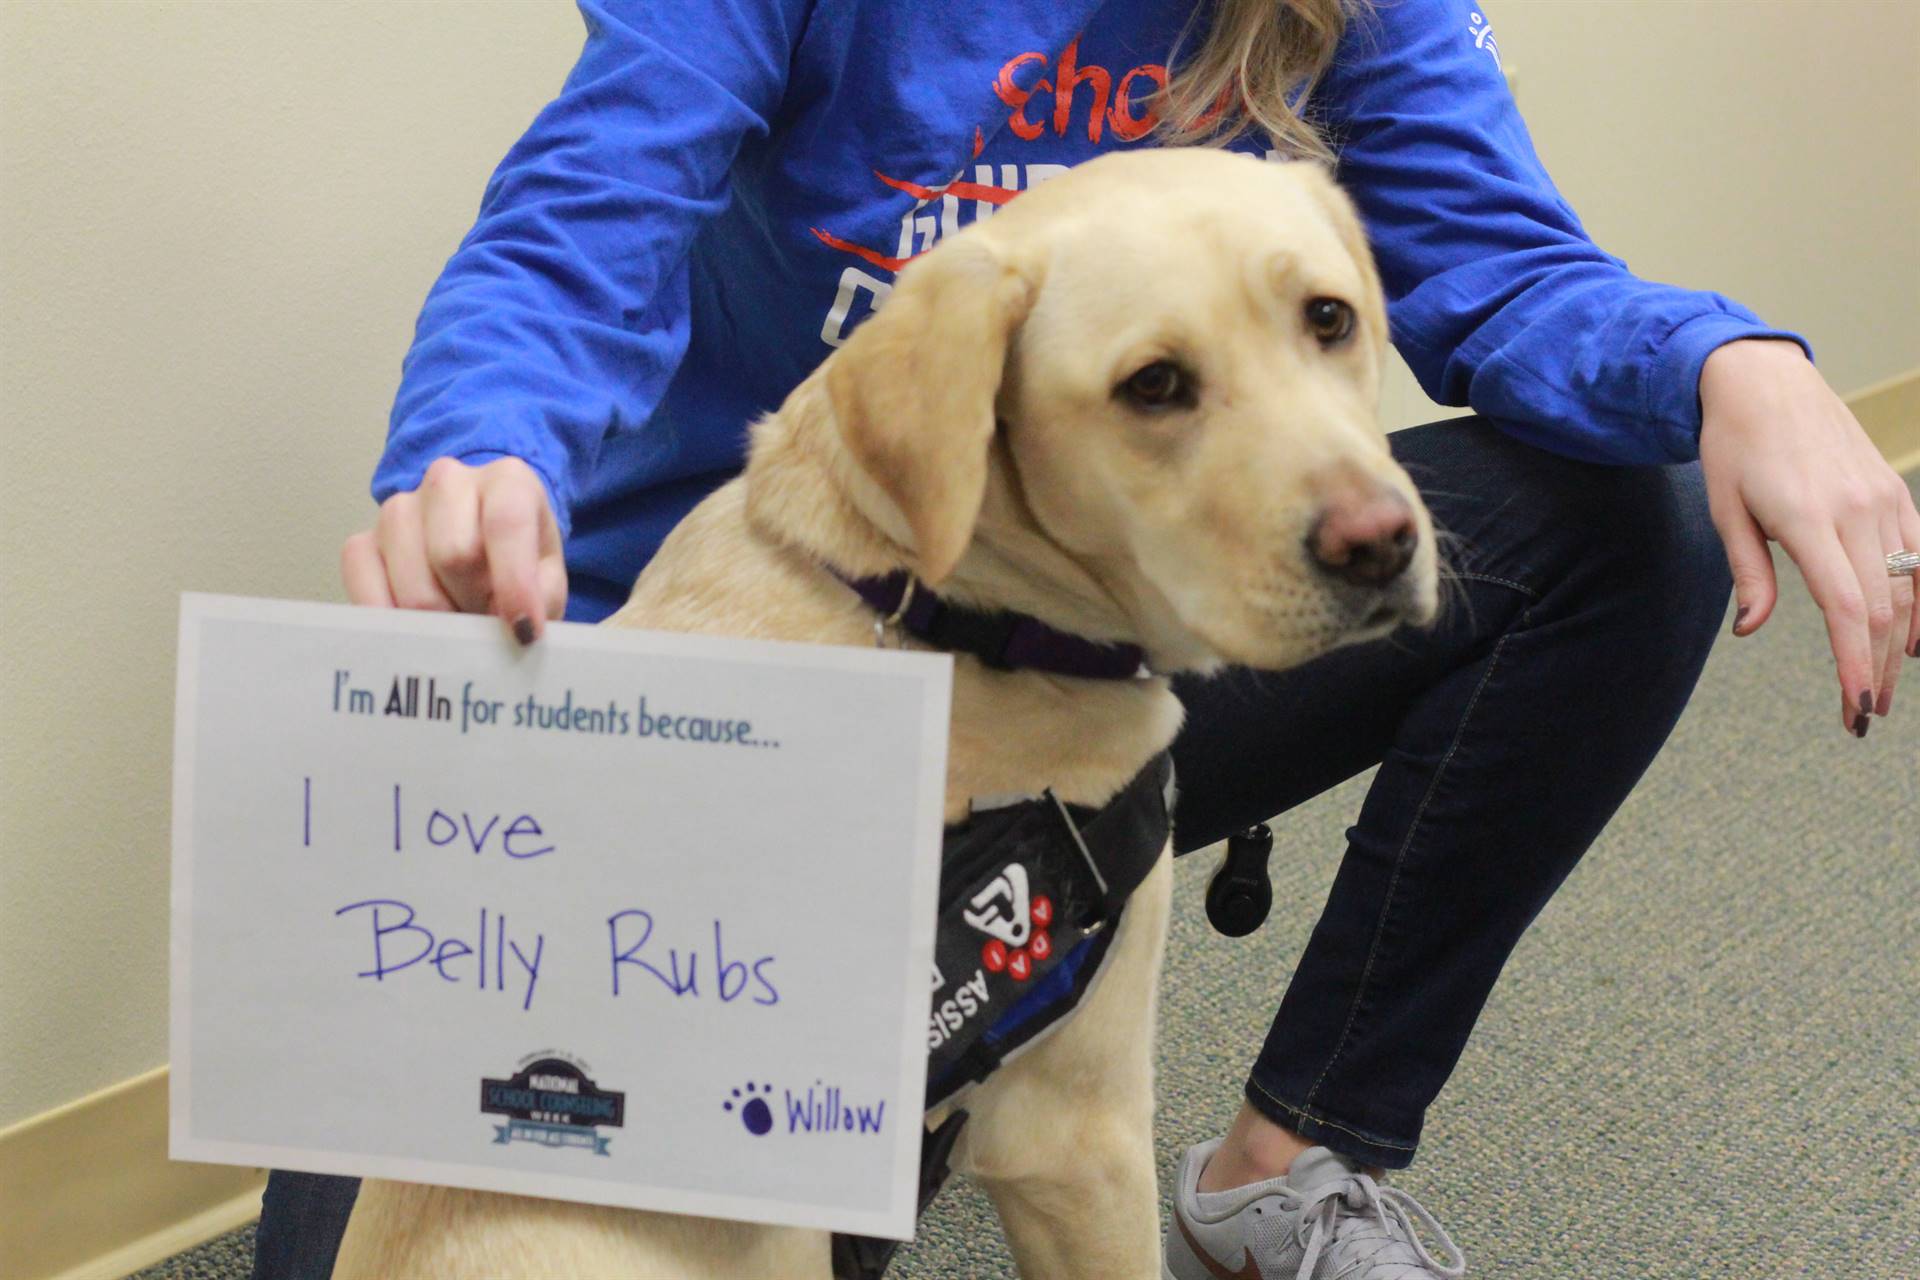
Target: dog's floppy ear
(914,387)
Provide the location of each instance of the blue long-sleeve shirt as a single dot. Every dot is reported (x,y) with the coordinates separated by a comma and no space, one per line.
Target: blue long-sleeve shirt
(724,188)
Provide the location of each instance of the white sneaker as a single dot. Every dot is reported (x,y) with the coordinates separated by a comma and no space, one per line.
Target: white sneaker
(1325,1220)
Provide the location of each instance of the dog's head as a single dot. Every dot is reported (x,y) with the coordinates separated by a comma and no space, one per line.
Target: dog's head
(1139,402)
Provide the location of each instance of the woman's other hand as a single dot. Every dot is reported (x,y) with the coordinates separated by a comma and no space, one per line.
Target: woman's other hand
(1785,460)
(469,539)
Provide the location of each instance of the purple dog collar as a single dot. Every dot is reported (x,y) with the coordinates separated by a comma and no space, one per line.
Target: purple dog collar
(1006,641)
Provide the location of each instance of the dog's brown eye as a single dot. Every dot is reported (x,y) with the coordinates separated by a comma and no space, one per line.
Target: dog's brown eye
(1329,319)
(1160,385)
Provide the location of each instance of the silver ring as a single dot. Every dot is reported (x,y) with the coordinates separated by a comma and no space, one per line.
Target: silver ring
(1903,564)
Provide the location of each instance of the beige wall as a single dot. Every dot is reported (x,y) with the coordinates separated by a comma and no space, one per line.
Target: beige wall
(217,221)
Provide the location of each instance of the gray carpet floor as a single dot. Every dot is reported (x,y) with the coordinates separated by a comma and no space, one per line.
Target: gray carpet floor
(1703,1060)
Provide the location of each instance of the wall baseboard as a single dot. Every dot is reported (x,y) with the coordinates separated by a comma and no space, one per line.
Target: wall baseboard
(1890,411)
(89,1193)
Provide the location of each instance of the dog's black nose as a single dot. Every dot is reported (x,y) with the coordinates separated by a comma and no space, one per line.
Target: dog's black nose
(1364,539)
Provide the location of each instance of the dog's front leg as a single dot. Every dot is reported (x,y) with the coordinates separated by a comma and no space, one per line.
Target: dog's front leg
(1095,1217)
(1062,1137)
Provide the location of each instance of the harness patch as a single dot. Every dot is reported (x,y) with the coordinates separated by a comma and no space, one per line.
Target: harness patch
(1030,895)
(1015,922)
(1000,909)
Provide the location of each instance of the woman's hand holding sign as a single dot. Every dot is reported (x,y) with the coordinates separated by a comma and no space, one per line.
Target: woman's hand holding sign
(470,539)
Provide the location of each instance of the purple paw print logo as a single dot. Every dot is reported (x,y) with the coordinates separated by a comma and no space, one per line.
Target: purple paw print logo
(751,1103)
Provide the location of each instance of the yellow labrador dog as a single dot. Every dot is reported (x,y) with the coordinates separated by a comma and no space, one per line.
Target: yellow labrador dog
(1138,404)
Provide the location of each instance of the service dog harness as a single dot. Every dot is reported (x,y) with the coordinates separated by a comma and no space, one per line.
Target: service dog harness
(1030,891)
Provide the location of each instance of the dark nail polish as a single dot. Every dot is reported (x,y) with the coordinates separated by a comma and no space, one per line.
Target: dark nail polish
(523,630)
(1740,617)
(1884,704)
(1860,724)
(1866,701)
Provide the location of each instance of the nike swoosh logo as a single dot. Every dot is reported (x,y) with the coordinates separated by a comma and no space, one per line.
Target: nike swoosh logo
(1215,1268)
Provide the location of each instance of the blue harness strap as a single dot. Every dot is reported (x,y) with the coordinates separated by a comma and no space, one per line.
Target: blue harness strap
(1048,993)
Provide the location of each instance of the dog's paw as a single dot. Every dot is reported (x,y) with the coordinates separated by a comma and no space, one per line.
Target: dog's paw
(755,1114)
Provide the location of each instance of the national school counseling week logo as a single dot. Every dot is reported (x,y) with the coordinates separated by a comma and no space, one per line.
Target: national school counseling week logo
(552,1101)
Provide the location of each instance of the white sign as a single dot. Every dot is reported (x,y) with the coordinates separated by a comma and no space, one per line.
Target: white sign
(627,917)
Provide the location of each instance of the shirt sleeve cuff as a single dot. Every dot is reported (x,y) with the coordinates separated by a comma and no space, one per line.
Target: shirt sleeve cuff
(1673,380)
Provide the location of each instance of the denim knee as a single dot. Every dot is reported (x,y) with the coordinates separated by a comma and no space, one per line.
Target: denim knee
(1675,551)
(1659,547)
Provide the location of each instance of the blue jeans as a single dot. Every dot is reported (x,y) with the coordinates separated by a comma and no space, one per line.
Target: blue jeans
(1507,735)
(302,1219)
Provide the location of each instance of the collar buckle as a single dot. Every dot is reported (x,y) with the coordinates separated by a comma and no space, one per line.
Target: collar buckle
(893,620)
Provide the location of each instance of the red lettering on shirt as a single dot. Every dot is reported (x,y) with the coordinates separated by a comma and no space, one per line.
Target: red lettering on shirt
(1014,96)
(959,188)
(1128,127)
(1111,105)
(1069,77)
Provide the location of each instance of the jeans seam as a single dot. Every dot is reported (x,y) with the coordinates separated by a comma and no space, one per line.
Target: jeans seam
(1307,1115)
(1399,861)
(1521,587)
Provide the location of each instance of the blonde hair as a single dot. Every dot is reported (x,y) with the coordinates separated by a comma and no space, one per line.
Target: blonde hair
(1257,67)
